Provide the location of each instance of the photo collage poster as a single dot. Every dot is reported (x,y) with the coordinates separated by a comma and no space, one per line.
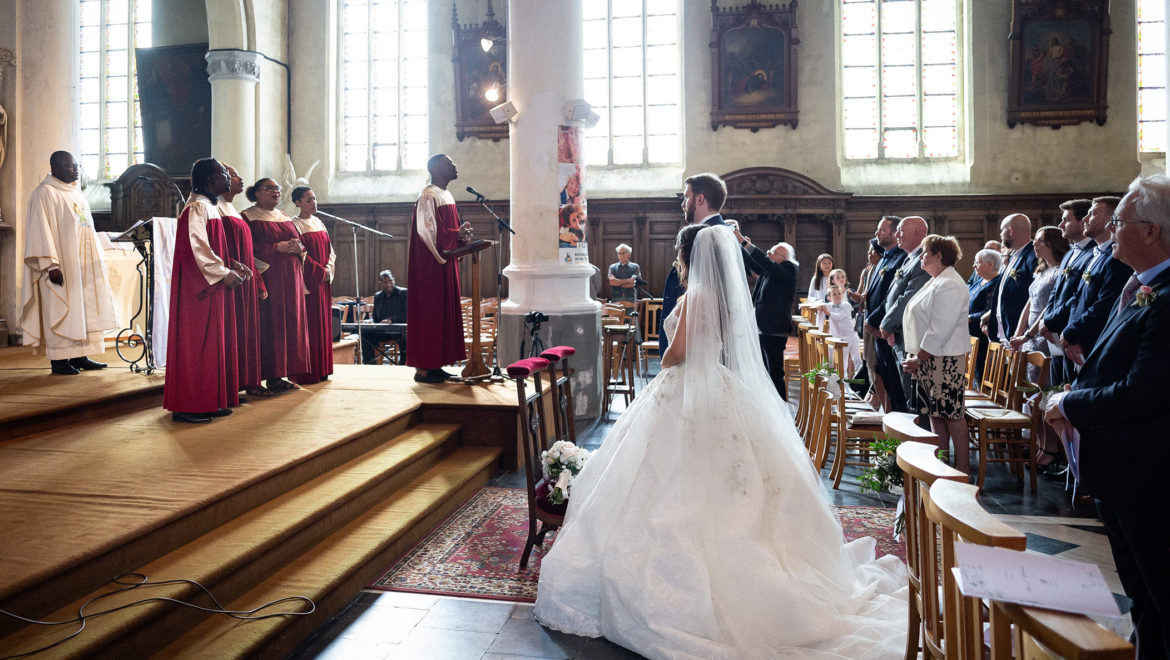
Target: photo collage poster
(571,212)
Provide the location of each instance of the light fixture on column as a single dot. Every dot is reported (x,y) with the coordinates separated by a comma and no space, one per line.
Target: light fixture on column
(505,113)
(488,43)
(494,92)
(579,110)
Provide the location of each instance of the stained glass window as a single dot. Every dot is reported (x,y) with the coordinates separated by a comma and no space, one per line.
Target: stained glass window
(384,116)
(900,79)
(109,114)
(632,64)
(1152,75)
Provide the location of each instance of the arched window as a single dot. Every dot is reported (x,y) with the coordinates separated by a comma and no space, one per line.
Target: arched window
(900,79)
(383,99)
(632,63)
(109,116)
(1152,75)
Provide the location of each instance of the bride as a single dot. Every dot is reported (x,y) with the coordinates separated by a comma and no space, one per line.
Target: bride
(700,528)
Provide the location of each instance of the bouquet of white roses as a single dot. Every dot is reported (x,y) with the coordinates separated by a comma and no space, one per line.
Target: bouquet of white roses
(561,462)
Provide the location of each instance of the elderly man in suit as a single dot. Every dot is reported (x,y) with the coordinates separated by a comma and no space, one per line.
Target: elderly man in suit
(1016,233)
(702,200)
(1064,295)
(772,297)
(1118,404)
(888,384)
(908,279)
(1101,284)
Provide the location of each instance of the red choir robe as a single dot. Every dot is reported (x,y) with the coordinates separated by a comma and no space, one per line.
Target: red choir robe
(196,354)
(318,274)
(434,320)
(284,330)
(242,312)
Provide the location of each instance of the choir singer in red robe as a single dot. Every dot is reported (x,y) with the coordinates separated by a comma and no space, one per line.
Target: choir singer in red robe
(242,304)
(196,385)
(284,329)
(318,274)
(434,321)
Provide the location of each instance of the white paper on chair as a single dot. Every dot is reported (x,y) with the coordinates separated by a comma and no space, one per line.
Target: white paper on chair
(1030,579)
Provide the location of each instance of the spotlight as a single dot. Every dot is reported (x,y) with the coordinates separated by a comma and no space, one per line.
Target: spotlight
(493,93)
(504,112)
(576,109)
(488,43)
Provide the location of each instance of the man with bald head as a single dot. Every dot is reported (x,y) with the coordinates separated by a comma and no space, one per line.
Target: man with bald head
(66,299)
(908,279)
(1015,232)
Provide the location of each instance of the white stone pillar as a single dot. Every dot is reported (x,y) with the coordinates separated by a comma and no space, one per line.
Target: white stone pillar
(234,74)
(544,71)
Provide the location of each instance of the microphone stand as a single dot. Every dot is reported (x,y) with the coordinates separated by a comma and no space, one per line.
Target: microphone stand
(357,296)
(500,226)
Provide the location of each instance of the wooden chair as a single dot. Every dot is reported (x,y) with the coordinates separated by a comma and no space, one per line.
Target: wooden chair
(535,441)
(651,312)
(853,435)
(998,432)
(792,366)
(563,415)
(953,509)
(920,469)
(1031,633)
(617,364)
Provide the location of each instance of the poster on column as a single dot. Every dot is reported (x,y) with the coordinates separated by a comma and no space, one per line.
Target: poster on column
(572,217)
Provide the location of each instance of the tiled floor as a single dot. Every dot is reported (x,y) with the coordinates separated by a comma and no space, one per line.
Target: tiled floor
(380,625)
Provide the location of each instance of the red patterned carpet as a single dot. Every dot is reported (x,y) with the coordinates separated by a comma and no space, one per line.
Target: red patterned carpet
(475,553)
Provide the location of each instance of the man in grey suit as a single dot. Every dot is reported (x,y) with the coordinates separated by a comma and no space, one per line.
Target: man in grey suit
(907,281)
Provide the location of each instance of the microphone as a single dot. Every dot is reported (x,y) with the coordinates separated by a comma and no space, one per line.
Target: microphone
(478,196)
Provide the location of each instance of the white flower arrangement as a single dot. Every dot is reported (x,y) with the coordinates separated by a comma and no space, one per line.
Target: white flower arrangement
(561,462)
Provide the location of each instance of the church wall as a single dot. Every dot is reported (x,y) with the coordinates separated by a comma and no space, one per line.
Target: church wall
(185,23)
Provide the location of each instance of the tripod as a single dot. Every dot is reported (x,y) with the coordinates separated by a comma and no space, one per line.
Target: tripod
(532,321)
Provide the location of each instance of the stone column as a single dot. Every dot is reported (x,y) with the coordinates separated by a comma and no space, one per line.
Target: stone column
(234,74)
(544,71)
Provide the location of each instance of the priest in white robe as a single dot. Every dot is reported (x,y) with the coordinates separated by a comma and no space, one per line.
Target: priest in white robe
(66,300)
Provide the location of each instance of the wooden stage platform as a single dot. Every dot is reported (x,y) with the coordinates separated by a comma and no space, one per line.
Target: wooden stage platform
(96,480)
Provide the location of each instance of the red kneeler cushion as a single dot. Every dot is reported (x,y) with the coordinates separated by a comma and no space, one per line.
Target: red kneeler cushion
(524,368)
(558,353)
(542,502)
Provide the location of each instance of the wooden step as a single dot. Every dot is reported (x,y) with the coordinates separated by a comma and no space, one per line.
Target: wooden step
(336,569)
(231,558)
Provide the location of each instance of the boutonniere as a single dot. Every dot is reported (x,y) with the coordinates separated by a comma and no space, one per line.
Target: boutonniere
(1144,296)
(898,274)
(1065,271)
(883,271)
(1014,274)
(1086,276)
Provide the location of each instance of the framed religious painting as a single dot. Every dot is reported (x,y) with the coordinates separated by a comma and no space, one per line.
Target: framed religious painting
(1059,54)
(481,76)
(753,65)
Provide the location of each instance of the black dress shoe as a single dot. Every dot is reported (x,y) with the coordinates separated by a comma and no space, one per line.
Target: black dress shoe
(430,376)
(191,418)
(63,368)
(222,412)
(86,364)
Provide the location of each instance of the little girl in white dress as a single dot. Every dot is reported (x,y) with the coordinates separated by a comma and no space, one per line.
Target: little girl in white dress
(840,314)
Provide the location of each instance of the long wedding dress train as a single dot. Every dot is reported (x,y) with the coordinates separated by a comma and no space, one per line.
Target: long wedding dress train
(700,528)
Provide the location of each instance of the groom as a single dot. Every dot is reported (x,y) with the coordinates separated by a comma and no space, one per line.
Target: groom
(1118,404)
(702,199)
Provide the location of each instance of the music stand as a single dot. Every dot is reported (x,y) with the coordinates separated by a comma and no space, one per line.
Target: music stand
(139,234)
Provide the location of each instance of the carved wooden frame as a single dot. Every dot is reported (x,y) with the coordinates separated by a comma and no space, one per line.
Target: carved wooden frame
(769,26)
(1040,79)
(472,67)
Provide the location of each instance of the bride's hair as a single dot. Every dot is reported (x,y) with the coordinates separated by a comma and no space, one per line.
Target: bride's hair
(683,244)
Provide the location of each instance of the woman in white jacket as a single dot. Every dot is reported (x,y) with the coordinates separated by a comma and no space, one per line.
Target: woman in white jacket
(937,344)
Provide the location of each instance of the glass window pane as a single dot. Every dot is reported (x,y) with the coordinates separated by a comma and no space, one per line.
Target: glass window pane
(594,34)
(386,157)
(626,61)
(938,48)
(901,143)
(663,120)
(627,121)
(898,49)
(142,35)
(90,116)
(899,112)
(938,15)
(859,51)
(89,90)
(91,141)
(117,36)
(662,59)
(90,38)
(353,157)
(91,165)
(940,111)
(626,31)
(597,92)
(595,64)
(115,165)
(899,16)
(591,11)
(90,12)
(624,8)
(859,18)
(596,148)
(940,142)
(116,89)
(353,130)
(116,62)
(1152,37)
(665,149)
(662,30)
(354,16)
(117,139)
(627,150)
(415,155)
(117,11)
(142,11)
(627,91)
(654,7)
(1153,71)
(138,143)
(602,127)
(116,115)
(1151,10)
(356,102)
(861,143)
(939,79)
(1152,104)
(414,76)
(91,65)
(414,42)
(859,81)
(1153,135)
(899,80)
(662,89)
(861,113)
(415,127)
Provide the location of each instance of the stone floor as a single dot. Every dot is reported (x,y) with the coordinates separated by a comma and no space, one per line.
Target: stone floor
(380,625)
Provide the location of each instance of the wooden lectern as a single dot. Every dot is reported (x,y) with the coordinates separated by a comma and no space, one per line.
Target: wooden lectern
(475,368)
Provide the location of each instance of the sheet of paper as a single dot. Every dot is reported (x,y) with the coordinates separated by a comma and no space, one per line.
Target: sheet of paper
(1030,579)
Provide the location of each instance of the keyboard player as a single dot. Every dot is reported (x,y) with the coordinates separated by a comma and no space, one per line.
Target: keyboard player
(389,307)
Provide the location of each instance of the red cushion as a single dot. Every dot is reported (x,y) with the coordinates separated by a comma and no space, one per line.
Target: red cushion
(542,502)
(523,368)
(558,353)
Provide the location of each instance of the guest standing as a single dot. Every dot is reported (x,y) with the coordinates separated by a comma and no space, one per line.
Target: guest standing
(840,315)
(284,330)
(1072,226)
(318,274)
(772,298)
(242,304)
(887,384)
(1050,250)
(66,299)
(1118,405)
(908,279)
(861,297)
(1012,293)
(1101,285)
(435,320)
(935,327)
(196,387)
(623,275)
(981,294)
(818,286)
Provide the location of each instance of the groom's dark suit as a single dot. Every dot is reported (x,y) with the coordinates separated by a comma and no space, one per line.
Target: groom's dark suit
(773,297)
(885,363)
(673,290)
(1118,403)
(1096,298)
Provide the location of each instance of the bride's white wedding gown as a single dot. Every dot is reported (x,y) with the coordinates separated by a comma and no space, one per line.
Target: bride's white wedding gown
(700,528)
